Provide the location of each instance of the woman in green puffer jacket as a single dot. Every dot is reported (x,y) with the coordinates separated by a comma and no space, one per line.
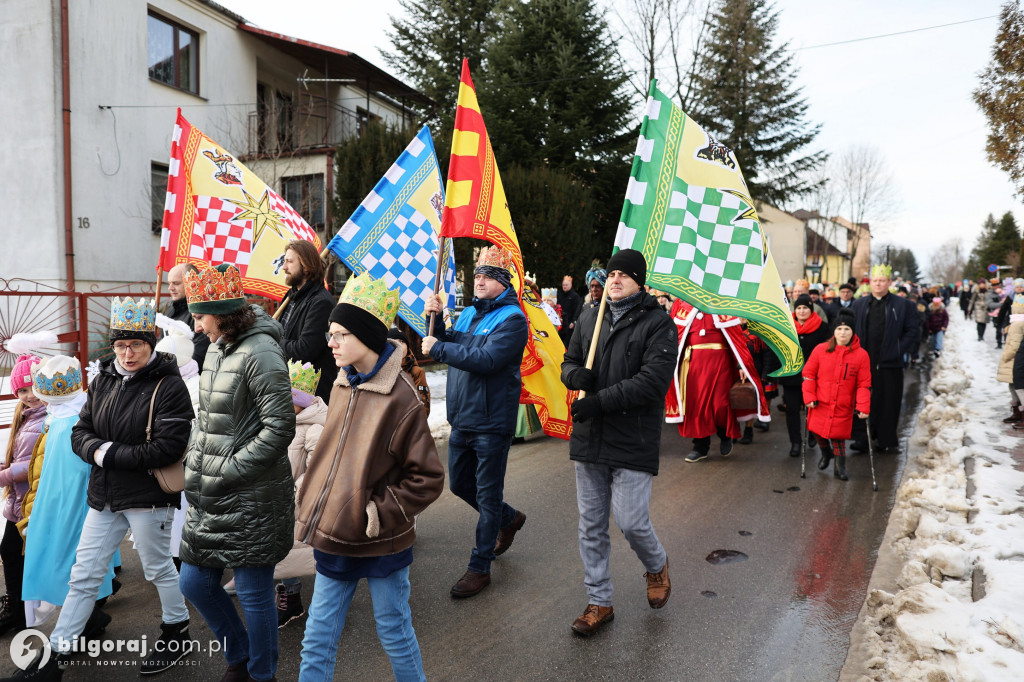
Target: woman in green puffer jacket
(238,478)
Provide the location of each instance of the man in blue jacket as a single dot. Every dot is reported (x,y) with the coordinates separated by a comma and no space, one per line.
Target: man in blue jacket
(888,328)
(483,352)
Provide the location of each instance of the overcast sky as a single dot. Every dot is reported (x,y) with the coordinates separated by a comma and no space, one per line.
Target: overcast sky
(907,95)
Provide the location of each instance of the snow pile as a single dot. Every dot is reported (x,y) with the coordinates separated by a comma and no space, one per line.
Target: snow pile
(437,380)
(957,610)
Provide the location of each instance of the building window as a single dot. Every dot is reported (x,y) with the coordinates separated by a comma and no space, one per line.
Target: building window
(157,195)
(364,118)
(305,193)
(173,53)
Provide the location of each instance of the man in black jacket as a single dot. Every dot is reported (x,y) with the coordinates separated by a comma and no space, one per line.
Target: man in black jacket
(888,328)
(571,304)
(305,316)
(617,431)
(177,309)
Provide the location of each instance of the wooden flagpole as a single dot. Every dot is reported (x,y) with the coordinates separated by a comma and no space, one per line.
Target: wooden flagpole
(437,278)
(597,334)
(159,285)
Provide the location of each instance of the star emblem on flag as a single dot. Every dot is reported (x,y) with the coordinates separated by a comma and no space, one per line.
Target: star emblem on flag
(260,213)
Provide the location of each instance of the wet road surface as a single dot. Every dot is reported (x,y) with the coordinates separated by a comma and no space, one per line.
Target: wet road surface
(782,613)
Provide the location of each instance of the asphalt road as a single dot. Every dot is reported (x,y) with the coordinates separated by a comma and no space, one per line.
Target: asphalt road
(784,612)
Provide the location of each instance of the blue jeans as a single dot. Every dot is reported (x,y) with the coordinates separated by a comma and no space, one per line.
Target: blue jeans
(254,586)
(102,532)
(476,473)
(327,611)
(937,340)
(601,489)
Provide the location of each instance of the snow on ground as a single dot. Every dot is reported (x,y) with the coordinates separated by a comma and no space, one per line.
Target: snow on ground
(437,380)
(955,547)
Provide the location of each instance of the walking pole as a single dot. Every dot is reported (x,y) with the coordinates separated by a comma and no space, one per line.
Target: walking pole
(437,278)
(871,457)
(803,443)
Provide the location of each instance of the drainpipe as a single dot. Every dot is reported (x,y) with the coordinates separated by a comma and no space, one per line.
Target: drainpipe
(65,77)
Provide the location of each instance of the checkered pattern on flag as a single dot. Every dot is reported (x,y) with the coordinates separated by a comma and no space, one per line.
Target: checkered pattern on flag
(688,210)
(393,233)
(218,211)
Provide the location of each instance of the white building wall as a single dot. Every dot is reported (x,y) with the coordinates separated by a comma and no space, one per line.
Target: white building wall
(31,170)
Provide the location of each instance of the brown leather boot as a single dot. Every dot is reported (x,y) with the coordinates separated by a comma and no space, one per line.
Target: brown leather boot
(239,672)
(1016,417)
(658,587)
(507,534)
(593,618)
(471,583)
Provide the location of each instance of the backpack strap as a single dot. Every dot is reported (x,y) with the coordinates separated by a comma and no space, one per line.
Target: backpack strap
(152,402)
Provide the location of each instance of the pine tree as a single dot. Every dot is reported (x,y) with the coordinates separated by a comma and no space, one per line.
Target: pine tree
(977,263)
(744,95)
(1000,95)
(361,162)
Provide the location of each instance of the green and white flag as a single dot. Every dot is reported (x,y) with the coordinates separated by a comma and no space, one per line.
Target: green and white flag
(688,210)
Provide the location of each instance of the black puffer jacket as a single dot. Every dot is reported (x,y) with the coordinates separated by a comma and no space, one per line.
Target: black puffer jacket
(634,365)
(117,410)
(305,321)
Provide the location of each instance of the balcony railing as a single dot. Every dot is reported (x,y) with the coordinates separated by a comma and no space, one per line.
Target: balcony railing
(310,123)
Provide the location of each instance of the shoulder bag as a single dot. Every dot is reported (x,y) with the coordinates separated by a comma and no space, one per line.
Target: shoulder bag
(171,477)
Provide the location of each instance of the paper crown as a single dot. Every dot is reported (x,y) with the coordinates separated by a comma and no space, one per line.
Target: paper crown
(304,377)
(1019,282)
(373,296)
(127,314)
(58,379)
(495,257)
(215,291)
(882,270)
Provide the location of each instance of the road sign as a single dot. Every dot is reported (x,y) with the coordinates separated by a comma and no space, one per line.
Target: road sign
(993,268)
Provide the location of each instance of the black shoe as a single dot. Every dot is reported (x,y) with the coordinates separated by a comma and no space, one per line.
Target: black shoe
(794,449)
(696,456)
(115,585)
(859,446)
(782,407)
(51,671)
(826,458)
(12,616)
(748,435)
(96,625)
(761,426)
(725,447)
(176,645)
(289,604)
(812,442)
(840,469)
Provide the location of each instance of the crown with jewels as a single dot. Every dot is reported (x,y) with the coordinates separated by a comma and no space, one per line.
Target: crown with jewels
(304,377)
(373,296)
(58,378)
(127,314)
(495,257)
(882,270)
(215,290)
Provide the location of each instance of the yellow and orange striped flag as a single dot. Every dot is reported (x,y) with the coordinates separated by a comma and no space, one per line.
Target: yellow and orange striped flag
(475,204)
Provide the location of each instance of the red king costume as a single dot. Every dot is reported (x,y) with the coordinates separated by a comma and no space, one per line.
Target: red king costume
(712,349)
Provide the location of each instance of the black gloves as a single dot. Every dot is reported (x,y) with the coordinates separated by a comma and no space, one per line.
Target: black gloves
(583,379)
(586,408)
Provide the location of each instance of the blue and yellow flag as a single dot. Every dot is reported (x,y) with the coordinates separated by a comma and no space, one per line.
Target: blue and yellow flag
(393,233)
(688,210)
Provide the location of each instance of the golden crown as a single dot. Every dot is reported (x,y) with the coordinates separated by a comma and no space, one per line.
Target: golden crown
(373,296)
(208,284)
(131,315)
(882,270)
(496,258)
(304,377)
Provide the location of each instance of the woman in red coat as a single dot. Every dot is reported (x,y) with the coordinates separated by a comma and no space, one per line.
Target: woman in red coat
(837,380)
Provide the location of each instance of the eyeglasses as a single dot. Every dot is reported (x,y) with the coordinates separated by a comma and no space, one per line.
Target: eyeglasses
(337,337)
(135,346)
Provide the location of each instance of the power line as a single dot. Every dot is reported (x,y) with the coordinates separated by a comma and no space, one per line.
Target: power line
(897,33)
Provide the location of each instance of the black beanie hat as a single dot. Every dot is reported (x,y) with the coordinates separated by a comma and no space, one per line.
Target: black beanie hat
(126,334)
(847,285)
(803,300)
(631,262)
(846,318)
(365,327)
